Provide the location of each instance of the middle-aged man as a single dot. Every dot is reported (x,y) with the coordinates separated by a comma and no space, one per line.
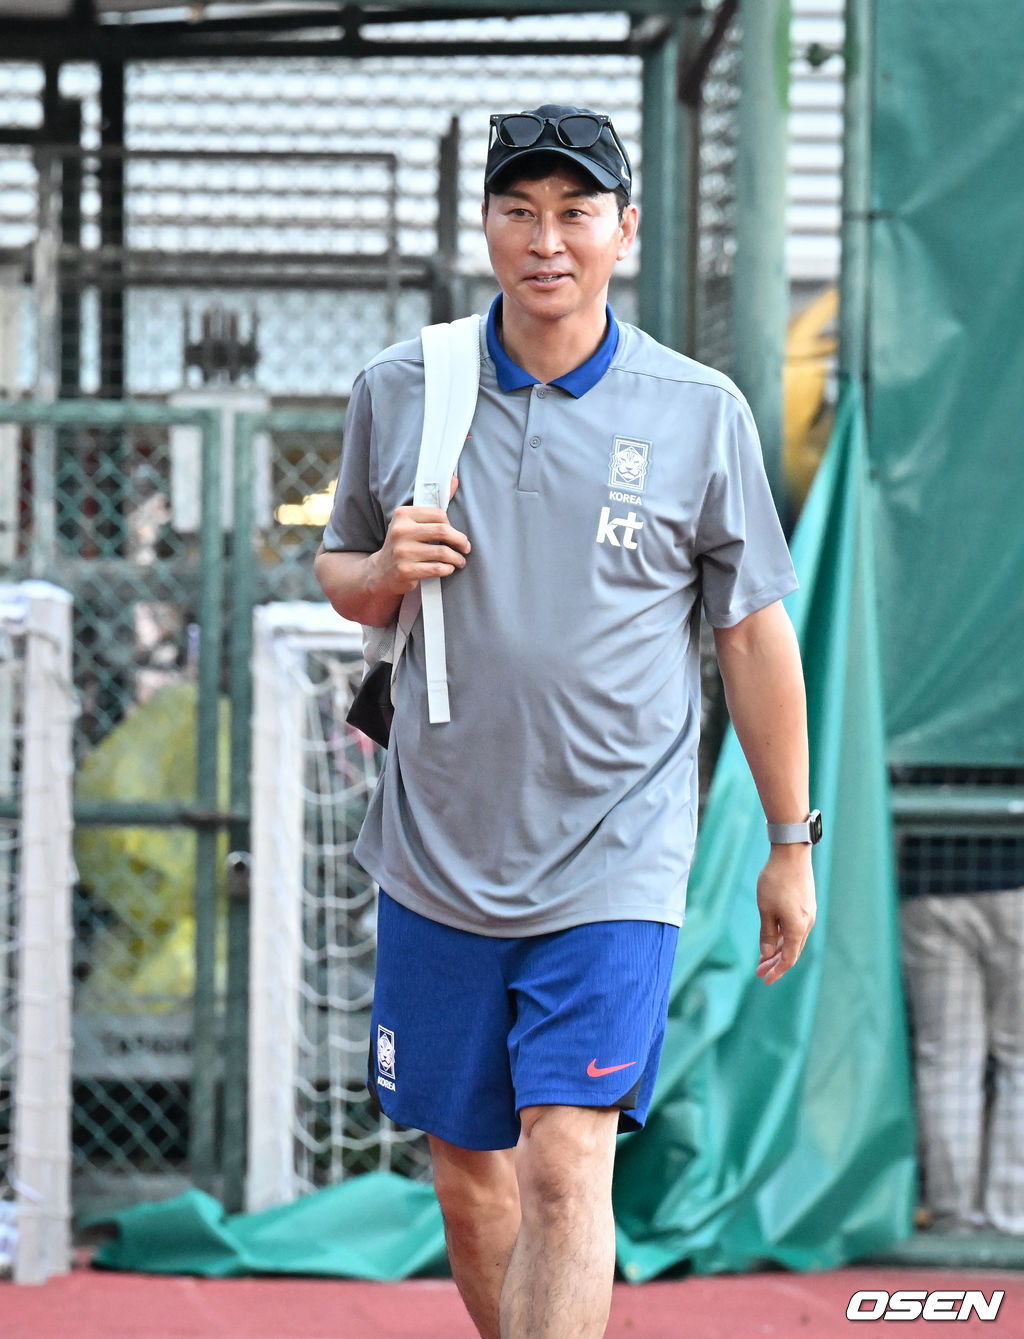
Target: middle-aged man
(532,853)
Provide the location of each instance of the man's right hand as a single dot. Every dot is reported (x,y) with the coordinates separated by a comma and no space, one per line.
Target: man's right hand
(420,543)
(368,587)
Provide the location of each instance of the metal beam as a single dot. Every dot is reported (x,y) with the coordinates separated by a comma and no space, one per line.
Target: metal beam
(362,48)
(855,232)
(240,688)
(660,299)
(689,223)
(128,43)
(693,71)
(761,288)
(442,298)
(210,616)
(286,35)
(112,229)
(941,809)
(347,18)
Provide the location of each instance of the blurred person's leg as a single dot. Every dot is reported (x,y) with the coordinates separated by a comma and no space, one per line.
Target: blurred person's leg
(1004,1179)
(942,946)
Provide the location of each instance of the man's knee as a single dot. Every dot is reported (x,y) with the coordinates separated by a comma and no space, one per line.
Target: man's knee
(474,1188)
(564,1158)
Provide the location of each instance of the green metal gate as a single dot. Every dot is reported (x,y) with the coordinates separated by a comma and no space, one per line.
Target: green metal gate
(143,512)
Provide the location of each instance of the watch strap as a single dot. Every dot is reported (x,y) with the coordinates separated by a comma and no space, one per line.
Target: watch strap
(790,834)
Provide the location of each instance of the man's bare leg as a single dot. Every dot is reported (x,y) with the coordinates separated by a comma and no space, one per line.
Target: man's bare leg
(559,1279)
(480,1202)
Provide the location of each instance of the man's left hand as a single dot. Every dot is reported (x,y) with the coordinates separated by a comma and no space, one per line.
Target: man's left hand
(785,899)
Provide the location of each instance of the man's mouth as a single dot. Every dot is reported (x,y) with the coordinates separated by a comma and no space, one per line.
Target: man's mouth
(545,278)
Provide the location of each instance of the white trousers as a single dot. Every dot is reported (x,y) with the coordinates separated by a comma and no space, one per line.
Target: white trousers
(964,965)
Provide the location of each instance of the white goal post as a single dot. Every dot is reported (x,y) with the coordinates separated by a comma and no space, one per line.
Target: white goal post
(312,916)
(37,707)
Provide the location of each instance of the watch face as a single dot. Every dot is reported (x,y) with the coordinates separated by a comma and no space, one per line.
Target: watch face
(815,821)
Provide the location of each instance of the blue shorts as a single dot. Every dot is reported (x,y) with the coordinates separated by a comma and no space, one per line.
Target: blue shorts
(468,1029)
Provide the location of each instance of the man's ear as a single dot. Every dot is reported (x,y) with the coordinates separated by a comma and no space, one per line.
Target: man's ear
(628,229)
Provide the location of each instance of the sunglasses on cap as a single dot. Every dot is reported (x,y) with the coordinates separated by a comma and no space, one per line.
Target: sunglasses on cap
(575,130)
(587,138)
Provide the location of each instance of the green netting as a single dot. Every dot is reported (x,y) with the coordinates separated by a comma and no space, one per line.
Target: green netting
(782,1127)
(947,362)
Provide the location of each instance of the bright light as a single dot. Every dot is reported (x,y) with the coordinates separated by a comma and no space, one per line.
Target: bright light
(314,509)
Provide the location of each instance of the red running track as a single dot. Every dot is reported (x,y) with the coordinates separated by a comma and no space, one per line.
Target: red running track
(91,1304)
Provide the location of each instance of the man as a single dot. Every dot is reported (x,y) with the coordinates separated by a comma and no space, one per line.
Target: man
(533,852)
(962,921)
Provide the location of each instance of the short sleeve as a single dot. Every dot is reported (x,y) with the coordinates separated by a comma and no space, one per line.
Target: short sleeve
(357,522)
(744,558)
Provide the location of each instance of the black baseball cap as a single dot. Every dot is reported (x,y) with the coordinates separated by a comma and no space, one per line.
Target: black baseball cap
(586,138)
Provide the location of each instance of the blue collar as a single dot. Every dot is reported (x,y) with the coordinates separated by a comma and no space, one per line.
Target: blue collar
(511,376)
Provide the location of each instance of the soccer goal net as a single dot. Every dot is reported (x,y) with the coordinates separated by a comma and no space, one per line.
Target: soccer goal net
(36,713)
(313,917)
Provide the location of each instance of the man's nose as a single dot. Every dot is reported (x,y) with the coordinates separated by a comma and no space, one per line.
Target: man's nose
(547,237)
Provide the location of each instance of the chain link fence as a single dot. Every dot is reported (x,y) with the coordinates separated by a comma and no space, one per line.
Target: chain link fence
(115,513)
(95,509)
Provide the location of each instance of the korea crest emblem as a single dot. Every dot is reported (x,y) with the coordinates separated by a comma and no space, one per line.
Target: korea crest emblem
(386,1051)
(630,461)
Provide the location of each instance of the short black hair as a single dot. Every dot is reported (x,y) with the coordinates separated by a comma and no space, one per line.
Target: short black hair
(540,165)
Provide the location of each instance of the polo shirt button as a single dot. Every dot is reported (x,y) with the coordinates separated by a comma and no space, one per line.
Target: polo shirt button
(535,441)
(542,391)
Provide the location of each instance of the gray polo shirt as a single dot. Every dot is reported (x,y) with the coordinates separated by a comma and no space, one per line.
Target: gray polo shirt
(602,510)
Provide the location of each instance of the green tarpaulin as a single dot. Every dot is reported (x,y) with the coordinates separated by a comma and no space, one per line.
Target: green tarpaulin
(946,360)
(376,1226)
(781,1129)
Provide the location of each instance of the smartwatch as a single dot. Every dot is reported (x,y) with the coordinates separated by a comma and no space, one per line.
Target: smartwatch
(790,834)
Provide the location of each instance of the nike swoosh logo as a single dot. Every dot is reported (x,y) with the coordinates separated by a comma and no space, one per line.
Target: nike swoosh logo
(595,1073)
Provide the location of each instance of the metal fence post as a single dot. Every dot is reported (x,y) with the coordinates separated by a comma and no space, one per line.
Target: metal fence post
(761,287)
(855,236)
(243,583)
(660,294)
(203,1127)
(42,1113)
(46,286)
(236,1021)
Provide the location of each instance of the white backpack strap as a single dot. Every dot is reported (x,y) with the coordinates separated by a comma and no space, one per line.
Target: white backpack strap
(451,370)
(451,374)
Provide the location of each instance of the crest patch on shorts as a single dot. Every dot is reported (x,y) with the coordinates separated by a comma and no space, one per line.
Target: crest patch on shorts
(631,459)
(386,1051)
